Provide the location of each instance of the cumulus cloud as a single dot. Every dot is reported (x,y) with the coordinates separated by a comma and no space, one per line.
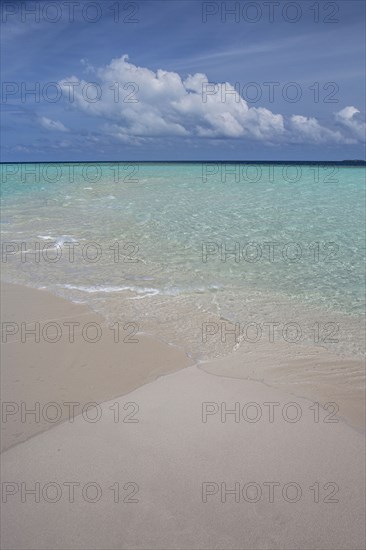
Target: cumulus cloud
(309,129)
(52,124)
(348,118)
(138,104)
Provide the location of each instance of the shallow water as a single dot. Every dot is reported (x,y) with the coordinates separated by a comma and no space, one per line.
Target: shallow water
(196,243)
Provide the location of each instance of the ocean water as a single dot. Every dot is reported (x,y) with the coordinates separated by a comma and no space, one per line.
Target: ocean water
(173,246)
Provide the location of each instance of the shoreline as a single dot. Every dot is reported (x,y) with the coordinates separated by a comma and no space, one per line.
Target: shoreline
(81,365)
(273,366)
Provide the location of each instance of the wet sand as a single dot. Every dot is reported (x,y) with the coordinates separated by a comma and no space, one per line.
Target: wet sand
(61,372)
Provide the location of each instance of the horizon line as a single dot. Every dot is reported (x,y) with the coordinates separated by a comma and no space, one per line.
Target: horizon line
(351,161)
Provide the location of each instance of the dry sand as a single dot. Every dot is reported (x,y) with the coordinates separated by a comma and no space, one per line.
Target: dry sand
(169,453)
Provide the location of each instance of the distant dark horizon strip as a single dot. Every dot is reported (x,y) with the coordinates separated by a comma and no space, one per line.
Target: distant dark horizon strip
(278,162)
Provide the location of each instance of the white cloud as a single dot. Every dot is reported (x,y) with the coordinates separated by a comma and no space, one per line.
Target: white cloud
(52,124)
(347,117)
(88,68)
(137,104)
(309,129)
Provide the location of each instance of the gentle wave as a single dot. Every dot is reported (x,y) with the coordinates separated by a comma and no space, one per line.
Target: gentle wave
(110,289)
(172,291)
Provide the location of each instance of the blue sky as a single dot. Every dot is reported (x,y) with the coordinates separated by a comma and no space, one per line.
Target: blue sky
(191,85)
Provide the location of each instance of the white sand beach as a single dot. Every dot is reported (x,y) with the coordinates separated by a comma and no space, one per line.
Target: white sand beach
(169,454)
(294,485)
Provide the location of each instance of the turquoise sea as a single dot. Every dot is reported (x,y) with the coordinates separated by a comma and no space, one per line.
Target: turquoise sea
(172,246)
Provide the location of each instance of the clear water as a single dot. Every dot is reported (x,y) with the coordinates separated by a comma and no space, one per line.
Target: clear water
(168,212)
